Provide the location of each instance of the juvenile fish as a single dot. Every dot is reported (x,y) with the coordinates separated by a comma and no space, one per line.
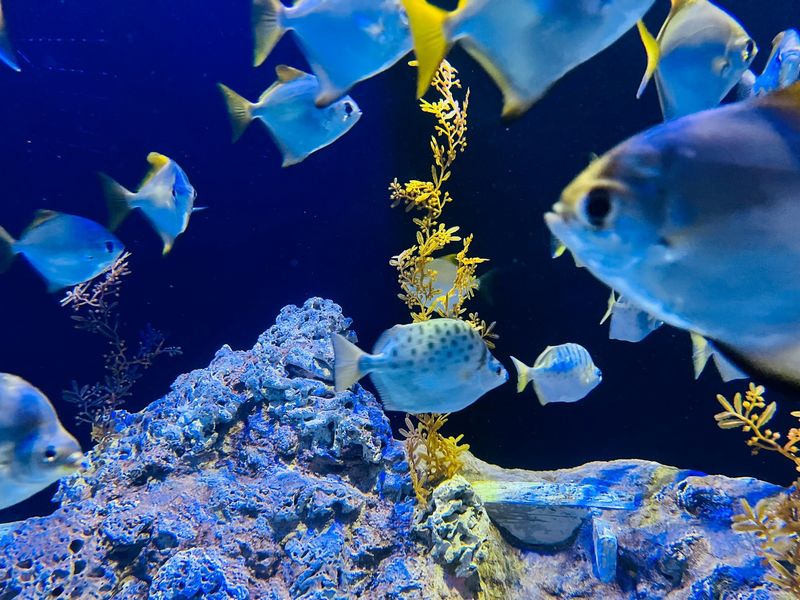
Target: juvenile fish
(66,250)
(344,41)
(783,66)
(564,373)
(7,54)
(696,222)
(437,366)
(165,196)
(524,45)
(700,54)
(35,449)
(287,108)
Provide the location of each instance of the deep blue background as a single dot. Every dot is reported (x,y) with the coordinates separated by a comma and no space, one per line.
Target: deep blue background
(104,83)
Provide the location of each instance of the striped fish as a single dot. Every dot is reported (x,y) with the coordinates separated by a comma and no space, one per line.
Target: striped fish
(564,373)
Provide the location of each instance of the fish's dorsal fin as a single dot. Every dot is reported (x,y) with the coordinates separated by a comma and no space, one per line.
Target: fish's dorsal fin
(612,302)
(426,22)
(42,216)
(653,51)
(157,162)
(286,73)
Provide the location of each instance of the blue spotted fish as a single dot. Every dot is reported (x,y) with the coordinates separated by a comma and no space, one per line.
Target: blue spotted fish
(564,373)
(287,108)
(436,366)
(344,41)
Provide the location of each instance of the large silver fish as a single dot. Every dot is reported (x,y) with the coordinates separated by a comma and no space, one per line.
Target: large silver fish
(700,54)
(697,222)
(437,366)
(524,45)
(35,449)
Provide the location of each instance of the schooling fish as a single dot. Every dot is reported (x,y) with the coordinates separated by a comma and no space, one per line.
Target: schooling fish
(524,45)
(35,449)
(700,54)
(437,366)
(783,66)
(165,197)
(696,222)
(7,54)
(628,322)
(344,41)
(66,250)
(287,108)
(564,373)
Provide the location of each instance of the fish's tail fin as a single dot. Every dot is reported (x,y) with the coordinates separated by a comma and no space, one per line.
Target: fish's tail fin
(118,200)
(240,111)
(653,56)
(267,28)
(523,374)
(430,42)
(7,251)
(347,359)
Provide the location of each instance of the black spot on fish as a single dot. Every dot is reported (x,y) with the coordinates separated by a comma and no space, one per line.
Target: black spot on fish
(413,352)
(394,351)
(430,345)
(449,354)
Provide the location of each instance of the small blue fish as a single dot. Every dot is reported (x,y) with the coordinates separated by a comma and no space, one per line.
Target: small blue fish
(564,373)
(165,196)
(438,366)
(35,449)
(344,41)
(287,108)
(7,54)
(783,66)
(66,250)
(629,323)
(699,56)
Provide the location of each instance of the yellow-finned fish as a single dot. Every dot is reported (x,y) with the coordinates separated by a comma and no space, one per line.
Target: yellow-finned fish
(696,222)
(437,366)
(524,45)
(563,373)
(700,54)
(165,196)
(344,41)
(35,449)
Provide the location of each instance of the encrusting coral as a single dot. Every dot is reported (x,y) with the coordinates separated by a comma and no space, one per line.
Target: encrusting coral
(775,523)
(434,458)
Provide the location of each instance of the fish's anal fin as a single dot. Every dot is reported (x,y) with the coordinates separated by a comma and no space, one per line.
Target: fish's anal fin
(653,54)
(701,352)
(285,73)
(430,44)
(523,373)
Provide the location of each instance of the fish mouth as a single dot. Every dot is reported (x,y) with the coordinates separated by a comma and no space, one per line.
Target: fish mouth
(75,461)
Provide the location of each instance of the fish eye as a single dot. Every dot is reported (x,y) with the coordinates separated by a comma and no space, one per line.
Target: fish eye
(50,454)
(498,370)
(348,108)
(109,247)
(749,50)
(596,207)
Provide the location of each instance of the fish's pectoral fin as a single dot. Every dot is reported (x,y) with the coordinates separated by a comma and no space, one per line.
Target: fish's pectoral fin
(118,200)
(653,55)
(346,362)
(267,28)
(430,44)
(198,208)
(240,111)
(7,252)
(523,373)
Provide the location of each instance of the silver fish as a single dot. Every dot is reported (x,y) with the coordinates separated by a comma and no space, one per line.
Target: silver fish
(344,41)
(287,108)
(628,322)
(783,66)
(437,366)
(35,449)
(700,54)
(564,373)
(696,222)
(165,197)
(524,45)
(66,250)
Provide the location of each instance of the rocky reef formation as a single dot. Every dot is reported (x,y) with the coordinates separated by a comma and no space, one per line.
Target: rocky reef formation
(252,479)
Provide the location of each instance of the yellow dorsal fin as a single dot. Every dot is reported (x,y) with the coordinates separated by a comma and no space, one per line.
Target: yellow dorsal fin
(157,162)
(286,73)
(430,44)
(612,301)
(42,216)
(653,53)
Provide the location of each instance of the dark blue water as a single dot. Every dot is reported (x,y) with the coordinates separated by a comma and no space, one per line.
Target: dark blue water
(104,83)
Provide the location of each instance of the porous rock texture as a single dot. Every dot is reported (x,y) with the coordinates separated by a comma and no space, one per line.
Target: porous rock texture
(252,479)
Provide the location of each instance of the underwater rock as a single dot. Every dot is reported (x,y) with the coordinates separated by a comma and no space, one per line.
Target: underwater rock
(252,479)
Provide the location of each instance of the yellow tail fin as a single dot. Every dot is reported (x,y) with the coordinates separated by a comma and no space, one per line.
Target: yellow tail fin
(523,374)
(117,199)
(240,111)
(653,56)
(347,357)
(267,28)
(7,251)
(430,44)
